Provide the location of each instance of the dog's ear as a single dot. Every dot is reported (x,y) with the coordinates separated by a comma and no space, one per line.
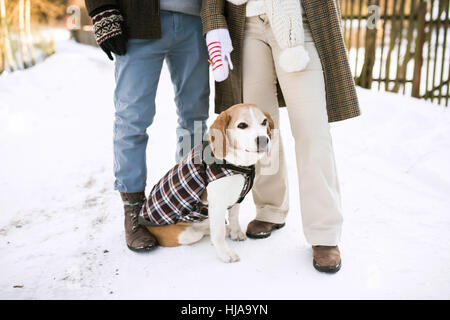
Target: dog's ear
(218,135)
(271,125)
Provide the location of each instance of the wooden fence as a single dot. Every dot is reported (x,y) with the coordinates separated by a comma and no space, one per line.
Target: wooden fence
(400,46)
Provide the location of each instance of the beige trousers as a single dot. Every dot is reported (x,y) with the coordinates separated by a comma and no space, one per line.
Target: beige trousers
(304,93)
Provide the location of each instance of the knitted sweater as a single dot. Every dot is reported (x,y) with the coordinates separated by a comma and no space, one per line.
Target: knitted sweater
(285,18)
(191,7)
(255,8)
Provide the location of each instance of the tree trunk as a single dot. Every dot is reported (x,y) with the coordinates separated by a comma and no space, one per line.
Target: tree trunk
(28,31)
(6,44)
(22,36)
(2,60)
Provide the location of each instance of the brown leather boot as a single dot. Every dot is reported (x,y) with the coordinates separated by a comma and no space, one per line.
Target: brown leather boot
(259,229)
(138,238)
(327,258)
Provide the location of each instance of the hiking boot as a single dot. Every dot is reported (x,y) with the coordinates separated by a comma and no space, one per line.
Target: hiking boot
(327,258)
(138,238)
(259,229)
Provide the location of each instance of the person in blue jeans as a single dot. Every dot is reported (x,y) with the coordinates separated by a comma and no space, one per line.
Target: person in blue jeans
(142,35)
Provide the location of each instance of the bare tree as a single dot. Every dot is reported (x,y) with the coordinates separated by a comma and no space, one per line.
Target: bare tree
(22,35)
(28,31)
(6,43)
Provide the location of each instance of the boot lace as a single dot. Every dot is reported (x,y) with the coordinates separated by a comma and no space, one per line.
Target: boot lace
(133,215)
(134,221)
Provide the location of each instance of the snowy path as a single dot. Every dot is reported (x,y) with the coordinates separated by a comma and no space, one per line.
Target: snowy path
(61,233)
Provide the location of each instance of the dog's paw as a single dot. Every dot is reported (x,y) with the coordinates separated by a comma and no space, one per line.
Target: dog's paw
(237,235)
(228,256)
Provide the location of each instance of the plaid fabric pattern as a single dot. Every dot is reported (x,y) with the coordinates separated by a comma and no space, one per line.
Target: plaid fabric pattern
(177,196)
(325,23)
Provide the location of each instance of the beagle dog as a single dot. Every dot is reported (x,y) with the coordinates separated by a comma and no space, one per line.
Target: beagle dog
(192,199)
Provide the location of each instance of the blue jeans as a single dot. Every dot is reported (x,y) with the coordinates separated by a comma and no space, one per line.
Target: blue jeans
(137,75)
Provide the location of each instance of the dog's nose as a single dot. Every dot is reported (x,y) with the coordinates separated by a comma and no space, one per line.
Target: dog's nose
(261,143)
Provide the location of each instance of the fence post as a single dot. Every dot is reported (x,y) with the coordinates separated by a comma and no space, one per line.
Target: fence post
(418,55)
(446,9)
(365,78)
(402,67)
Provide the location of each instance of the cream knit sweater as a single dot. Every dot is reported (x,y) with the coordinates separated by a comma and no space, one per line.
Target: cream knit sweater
(255,8)
(285,17)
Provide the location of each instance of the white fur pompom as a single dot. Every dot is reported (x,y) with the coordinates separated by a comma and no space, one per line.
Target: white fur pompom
(294,59)
(237,2)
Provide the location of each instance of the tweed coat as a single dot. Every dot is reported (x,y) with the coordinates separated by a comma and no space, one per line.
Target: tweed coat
(324,19)
(177,197)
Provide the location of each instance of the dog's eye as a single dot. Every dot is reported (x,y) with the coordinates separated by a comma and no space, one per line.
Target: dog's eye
(242,125)
(264,122)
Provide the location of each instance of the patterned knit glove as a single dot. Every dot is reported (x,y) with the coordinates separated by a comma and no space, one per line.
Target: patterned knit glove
(219,49)
(109,29)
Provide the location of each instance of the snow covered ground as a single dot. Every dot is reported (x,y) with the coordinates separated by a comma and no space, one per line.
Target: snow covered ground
(61,233)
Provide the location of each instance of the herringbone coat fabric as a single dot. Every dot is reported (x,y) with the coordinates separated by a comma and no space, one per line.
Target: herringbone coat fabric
(177,197)
(324,19)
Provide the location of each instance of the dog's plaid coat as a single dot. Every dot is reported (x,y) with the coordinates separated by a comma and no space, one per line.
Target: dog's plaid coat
(324,18)
(177,196)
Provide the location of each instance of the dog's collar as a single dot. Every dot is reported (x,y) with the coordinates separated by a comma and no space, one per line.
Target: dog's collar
(244,169)
(249,170)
